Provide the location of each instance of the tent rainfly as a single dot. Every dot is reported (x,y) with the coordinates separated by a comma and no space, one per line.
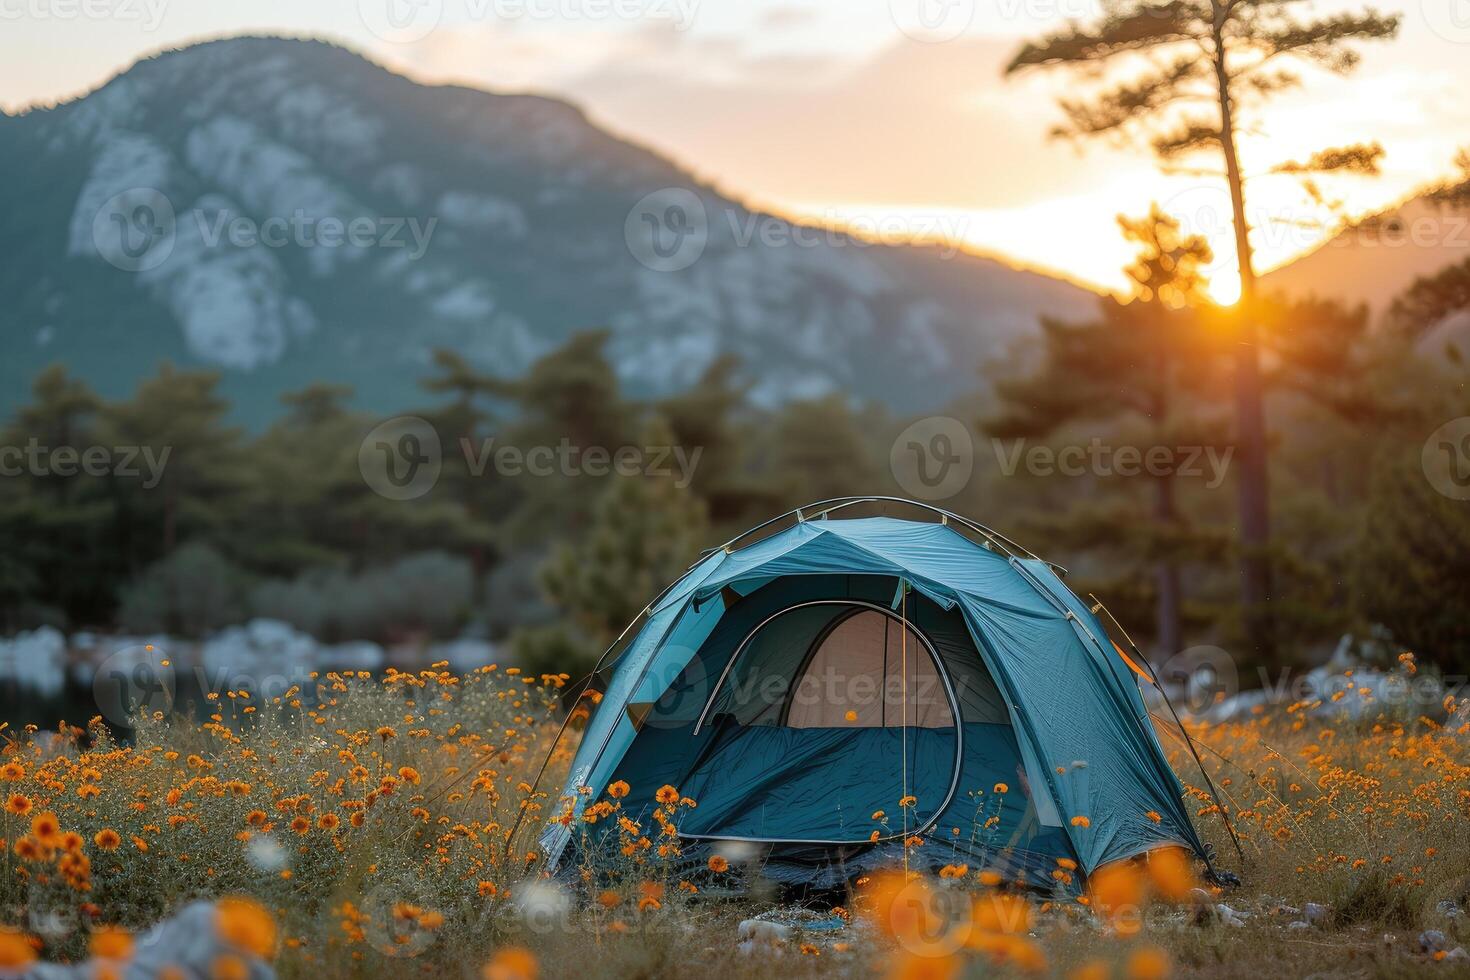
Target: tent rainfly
(836,688)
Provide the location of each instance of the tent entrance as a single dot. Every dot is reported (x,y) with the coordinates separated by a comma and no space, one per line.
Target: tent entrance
(828,712)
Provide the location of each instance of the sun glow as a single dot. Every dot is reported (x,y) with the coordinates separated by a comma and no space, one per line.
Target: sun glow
(1224,288)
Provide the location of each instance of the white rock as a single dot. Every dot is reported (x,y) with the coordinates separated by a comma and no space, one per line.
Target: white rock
(35,660)
(761,931)
(1228,916)
(1316,914)
(187,941)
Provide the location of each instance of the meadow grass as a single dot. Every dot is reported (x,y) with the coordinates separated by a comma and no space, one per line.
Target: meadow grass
(370,818)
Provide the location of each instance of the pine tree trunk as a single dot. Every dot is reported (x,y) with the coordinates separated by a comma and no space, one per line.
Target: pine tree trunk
(1250,450)
(1168,632)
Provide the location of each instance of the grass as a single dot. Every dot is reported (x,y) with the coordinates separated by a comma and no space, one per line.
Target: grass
(370,819)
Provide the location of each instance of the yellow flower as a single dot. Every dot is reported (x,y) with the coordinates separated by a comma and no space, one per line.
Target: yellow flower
(227,967)
(1080,821)
(12,771)
(112,943)
(618,789)
(851,716)
(1154,816)
(246,925)
(16,949)
(512,963)
(107,839)
(718,864)
(409,774)
(667,794)
(328,821)
(1002,788)
(46,827)
(1148,964)
(18,804)
(300,824)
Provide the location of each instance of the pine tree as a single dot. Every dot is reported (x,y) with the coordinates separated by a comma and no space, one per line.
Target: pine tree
(1151,65)
(1151,360)
(644,532)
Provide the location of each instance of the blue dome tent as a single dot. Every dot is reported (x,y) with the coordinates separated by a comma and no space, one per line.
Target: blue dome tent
(825,667)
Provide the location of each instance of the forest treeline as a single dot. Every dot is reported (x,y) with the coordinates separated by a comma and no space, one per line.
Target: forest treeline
(184,523)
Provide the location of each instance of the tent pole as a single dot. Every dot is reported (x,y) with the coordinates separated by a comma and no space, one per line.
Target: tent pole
(586,685)
(1188,739)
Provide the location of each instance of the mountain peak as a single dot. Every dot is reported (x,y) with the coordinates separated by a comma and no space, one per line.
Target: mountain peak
(185,205)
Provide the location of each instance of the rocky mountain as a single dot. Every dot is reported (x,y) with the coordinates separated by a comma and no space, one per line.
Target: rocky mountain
(288,212)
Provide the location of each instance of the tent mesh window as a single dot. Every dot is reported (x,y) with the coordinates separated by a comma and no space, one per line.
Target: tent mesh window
(834,664)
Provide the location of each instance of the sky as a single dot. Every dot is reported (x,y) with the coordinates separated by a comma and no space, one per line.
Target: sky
(889,117)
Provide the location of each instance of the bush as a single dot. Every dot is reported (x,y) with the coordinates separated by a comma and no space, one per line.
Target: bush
(429,592)
(1414,555)
(193,591)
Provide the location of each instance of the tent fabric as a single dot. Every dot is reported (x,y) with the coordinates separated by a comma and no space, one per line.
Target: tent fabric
(1055,740)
